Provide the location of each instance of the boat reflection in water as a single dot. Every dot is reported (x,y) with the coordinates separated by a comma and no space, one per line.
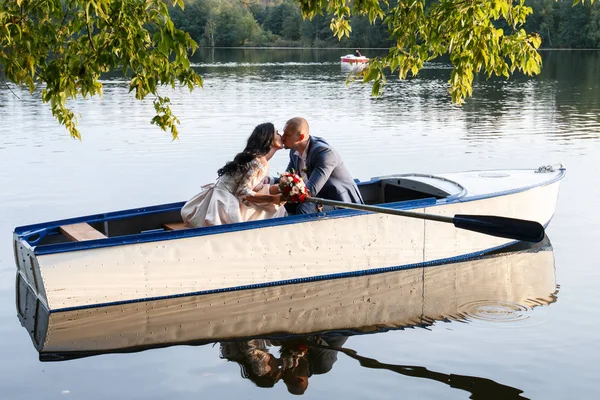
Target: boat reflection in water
(289,333)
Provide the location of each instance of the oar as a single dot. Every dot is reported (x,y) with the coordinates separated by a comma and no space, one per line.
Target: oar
(510,228)
(480,388)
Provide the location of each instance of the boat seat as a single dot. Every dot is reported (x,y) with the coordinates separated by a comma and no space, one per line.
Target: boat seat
(81,232)
(174,226)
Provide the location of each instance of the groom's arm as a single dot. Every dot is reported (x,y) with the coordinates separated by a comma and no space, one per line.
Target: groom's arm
(322,167)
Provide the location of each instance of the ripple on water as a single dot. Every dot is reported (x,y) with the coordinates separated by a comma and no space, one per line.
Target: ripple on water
(495,311)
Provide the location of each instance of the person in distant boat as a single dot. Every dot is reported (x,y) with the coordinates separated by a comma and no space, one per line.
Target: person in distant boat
(239,193)
(357,53)
(319,165)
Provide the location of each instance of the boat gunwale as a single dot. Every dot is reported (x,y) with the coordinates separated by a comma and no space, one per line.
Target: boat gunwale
(158,236)
(28,230)
(23,231)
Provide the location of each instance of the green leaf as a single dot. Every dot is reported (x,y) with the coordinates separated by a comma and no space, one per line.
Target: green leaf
(371,74)
(65,46)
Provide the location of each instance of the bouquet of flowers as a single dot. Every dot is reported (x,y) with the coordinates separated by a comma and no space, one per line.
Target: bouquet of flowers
(291,355)
(292,187)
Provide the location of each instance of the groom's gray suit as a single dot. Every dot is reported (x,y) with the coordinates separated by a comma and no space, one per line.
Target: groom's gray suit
(327,175)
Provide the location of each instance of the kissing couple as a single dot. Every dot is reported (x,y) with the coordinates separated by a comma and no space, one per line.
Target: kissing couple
(244,190)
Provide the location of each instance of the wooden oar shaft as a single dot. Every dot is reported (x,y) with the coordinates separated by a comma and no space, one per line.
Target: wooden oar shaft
(385,210)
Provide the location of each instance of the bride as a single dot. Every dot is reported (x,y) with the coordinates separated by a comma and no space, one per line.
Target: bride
(239,193)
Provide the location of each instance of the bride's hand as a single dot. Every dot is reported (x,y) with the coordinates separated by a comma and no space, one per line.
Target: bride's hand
(274,189)
(278,200)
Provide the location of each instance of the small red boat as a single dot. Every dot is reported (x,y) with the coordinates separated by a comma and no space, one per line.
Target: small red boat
(350,62)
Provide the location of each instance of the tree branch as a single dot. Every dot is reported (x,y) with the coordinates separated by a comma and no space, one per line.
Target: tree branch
(89,34)
(7,86)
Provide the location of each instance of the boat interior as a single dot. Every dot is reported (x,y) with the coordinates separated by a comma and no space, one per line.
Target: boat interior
(167,217)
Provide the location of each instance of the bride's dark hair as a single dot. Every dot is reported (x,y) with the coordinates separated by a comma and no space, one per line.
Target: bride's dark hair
(259,144)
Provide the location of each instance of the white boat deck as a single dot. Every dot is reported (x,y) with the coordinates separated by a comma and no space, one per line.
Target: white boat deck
(481,183)
(485,183)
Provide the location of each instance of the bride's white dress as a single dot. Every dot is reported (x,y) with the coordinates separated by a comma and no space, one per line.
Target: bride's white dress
(223,202)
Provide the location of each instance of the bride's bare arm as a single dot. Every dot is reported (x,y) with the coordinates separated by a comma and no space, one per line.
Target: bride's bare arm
(265,199)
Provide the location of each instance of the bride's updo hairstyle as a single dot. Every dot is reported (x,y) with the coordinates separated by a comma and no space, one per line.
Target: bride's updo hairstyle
(259,144)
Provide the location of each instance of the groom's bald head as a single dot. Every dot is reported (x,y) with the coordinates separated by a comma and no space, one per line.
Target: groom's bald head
(298,126)
(295,134)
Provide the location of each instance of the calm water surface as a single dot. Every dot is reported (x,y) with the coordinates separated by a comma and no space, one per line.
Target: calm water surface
(546,352)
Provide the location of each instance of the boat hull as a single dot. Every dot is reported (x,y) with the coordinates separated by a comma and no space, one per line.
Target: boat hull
(511,280)
(355,60)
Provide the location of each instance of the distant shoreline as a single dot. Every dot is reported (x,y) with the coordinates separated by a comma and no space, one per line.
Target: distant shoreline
(295,48)
(360,48)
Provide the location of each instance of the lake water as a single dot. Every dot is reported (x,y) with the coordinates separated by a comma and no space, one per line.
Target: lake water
(545,352)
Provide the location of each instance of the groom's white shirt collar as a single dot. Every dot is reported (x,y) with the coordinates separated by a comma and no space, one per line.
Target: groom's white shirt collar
(303,155)
(302,161)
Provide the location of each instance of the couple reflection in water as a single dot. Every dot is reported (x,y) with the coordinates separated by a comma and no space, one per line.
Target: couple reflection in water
(294,362)
(303,357)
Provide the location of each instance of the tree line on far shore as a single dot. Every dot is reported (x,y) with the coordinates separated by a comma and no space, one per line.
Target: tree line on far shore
(279,23)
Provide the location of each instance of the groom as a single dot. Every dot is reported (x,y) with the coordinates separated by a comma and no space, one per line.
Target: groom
(321,167)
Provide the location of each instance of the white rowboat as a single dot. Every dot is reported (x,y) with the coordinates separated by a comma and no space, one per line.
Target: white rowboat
(142,254)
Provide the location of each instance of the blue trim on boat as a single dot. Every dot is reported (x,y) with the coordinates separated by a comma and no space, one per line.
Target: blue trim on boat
(432,263)
(219,229)
(27,230)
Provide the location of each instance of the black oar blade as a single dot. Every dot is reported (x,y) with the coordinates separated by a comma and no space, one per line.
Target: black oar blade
(510,228)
